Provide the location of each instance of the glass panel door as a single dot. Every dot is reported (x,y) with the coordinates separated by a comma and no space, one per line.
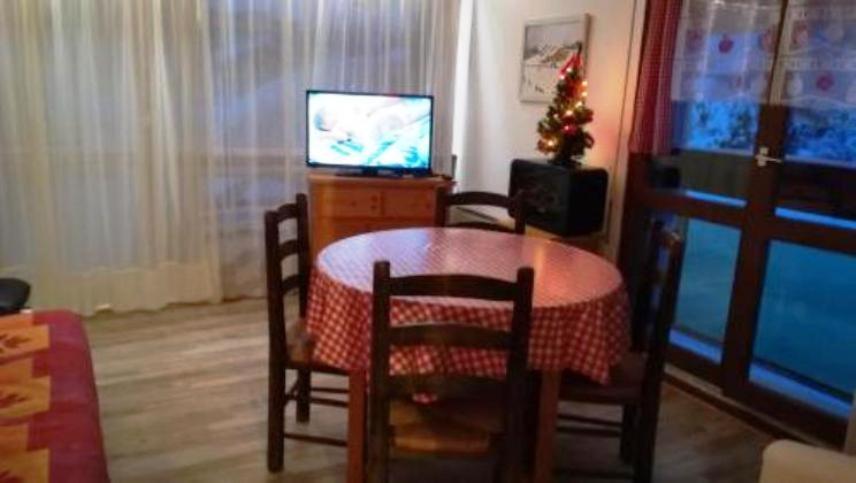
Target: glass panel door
(704,294)
(721,78)
(807,327)
(762,184)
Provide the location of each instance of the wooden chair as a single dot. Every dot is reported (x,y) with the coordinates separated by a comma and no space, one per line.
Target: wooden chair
(473,416)
(446,200)
(635,382)
(290,346)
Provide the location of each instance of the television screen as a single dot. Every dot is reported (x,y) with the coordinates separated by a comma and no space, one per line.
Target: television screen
(384,132)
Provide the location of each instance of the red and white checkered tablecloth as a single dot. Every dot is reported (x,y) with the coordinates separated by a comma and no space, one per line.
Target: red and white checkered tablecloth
(580,310)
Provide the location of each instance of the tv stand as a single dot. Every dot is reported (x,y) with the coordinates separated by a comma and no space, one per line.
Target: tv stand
(367,173)
(381,173)
(347,205)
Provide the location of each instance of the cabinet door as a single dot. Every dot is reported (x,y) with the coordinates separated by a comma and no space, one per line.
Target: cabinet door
(328,230)
(348,203)
(405,203)
(346,228)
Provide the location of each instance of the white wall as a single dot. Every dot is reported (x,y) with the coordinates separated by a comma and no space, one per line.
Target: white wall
(493,127)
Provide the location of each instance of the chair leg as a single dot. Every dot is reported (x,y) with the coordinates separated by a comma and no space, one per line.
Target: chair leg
(304,392)
(276,418)
(643,467)
(629,428)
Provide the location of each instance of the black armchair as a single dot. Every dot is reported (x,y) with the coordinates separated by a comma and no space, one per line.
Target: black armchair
(14,294)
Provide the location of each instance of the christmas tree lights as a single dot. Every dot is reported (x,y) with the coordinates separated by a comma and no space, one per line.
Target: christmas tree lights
(562,130)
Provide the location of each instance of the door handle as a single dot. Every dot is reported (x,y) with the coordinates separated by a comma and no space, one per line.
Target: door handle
(763,157)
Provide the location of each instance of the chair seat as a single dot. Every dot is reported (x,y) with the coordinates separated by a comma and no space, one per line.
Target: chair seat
(459,427)
(625,386)
(300,347)
(298,342)
(481,415)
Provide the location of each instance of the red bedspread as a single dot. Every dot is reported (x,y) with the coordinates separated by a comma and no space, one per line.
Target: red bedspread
(49,424)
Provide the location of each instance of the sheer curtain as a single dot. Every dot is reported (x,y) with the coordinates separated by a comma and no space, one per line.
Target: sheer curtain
(722,70)
(140,142)
(815,76)
(817,59)
(725,50)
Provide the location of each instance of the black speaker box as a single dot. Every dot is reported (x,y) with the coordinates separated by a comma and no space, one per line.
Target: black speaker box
(564,201)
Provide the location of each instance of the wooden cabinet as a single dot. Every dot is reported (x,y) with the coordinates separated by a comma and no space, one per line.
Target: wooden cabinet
(343,206)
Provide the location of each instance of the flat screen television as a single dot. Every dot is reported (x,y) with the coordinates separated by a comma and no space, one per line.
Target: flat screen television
(370,133)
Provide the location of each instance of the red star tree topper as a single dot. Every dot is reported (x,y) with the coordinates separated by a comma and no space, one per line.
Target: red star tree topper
(562,130)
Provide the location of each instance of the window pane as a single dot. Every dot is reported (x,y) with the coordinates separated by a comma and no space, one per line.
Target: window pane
(807,327)
(816,78)
(817,186)
(724,175)
(721,74)
(724,51)
(706,282)
(726,126)
(826,136)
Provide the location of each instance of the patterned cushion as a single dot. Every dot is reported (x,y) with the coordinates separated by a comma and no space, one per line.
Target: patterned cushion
(427,428)
(482,415)
(298,342)
(461,427)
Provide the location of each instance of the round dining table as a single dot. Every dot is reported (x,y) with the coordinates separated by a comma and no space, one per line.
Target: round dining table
(580,314)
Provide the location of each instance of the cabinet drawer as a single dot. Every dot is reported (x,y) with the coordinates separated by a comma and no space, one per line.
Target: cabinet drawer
(348,203)
(400,203)
(347,228)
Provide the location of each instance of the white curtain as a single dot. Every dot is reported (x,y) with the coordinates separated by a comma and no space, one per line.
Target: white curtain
(817,60)
(140,142)
(725,50)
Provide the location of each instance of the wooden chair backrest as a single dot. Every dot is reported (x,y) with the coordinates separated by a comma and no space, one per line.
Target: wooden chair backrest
(446,200)
(277,250)
(515,342)
(657,298)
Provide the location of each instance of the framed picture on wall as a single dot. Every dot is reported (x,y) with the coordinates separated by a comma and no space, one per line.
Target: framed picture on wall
(547,46)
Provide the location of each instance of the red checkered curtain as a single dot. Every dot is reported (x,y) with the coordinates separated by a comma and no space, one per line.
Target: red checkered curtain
(652,122)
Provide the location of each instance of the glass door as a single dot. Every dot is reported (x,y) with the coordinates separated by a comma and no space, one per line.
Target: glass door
(720,81)
(805,320)
(761,182)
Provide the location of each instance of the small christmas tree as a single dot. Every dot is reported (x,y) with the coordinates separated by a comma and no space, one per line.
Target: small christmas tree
(562,130)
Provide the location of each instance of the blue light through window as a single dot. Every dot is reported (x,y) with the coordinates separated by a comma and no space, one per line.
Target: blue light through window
(822,134)
(716,125)
(826,134)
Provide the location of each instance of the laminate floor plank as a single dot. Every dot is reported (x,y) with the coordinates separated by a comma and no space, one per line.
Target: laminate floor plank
(183,399)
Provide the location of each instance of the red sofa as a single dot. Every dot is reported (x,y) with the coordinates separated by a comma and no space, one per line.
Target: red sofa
(49,422)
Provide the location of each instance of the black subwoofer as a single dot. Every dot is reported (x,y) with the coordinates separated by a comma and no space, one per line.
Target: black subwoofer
(566,202)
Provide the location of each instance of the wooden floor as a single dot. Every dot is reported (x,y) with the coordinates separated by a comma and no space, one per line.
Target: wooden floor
(183,398)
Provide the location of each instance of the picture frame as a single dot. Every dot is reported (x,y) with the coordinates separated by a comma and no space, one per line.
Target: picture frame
(547,46)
